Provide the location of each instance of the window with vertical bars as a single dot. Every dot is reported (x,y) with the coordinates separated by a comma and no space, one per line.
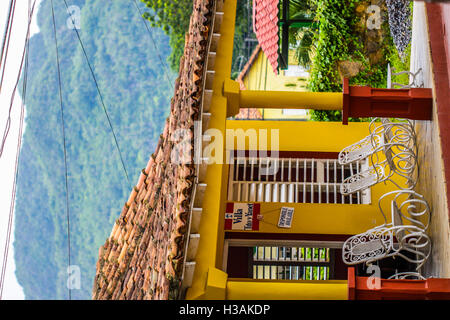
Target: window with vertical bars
(291,263)
(295,180)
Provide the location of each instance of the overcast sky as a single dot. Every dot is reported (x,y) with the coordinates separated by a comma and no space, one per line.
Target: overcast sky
(11,290)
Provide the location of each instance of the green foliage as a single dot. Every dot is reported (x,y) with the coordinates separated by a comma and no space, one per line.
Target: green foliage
(300,9)
(301,37)
(136,94)
(321,115)
(333,42)
(305,49)
(338,39)
(241,54)
(397,64)
(173,17)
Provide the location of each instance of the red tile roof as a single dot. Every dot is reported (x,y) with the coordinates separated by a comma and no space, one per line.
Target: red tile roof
(143,257)
(265,24)
(249,114)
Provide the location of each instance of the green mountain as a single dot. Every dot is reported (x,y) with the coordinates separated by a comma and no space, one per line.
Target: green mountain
(136,88)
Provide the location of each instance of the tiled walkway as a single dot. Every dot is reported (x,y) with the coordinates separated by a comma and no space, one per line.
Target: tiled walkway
(431,182)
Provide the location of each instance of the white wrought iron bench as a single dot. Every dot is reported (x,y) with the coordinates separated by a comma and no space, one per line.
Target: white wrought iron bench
(399,161)
(378,243)
(414,82)
(408,241)
(406,206)
(401,133)
(407,275)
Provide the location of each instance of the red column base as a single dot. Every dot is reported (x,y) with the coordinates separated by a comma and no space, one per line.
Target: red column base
(364,102)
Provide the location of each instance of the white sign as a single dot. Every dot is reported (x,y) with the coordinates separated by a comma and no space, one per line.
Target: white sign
(286,215)
(242,216)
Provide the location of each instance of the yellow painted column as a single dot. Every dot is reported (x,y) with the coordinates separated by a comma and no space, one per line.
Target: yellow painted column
(205,284)
(279,99)
(291,100)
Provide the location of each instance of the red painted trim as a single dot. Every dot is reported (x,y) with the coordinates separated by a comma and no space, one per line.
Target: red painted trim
(285,236)
(290,154)
(441,60)
(351,282)
(256,211)
(228,224)
(346,101)
(396,289)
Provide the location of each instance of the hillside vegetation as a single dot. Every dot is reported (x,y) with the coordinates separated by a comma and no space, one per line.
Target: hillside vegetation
(137,92)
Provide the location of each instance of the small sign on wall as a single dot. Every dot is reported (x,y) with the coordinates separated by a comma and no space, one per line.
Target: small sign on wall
(286,215)
(242,216)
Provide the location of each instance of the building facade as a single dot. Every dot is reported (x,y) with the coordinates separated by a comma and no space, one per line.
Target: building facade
(248,209)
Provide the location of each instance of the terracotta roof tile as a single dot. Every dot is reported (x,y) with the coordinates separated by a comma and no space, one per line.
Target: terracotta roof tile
(143,257)
(266,29)
(249,114)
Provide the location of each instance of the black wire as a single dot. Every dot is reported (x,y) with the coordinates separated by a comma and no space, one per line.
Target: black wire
(99,93)
(64,144)
(6,38)
(155,45)
(7,27)
(16,174)
(18,149)
(4,53)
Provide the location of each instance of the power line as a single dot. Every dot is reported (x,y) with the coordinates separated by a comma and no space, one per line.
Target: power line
(99,93)
(6,39)
(19,143)
(7,25)
(64,144)
(3,60)
(154,44)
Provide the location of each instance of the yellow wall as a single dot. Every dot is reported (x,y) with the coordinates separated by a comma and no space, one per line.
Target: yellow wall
(262,77)
(211,283)
(308,135)
(314,218)
(242,289)
(318,218)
